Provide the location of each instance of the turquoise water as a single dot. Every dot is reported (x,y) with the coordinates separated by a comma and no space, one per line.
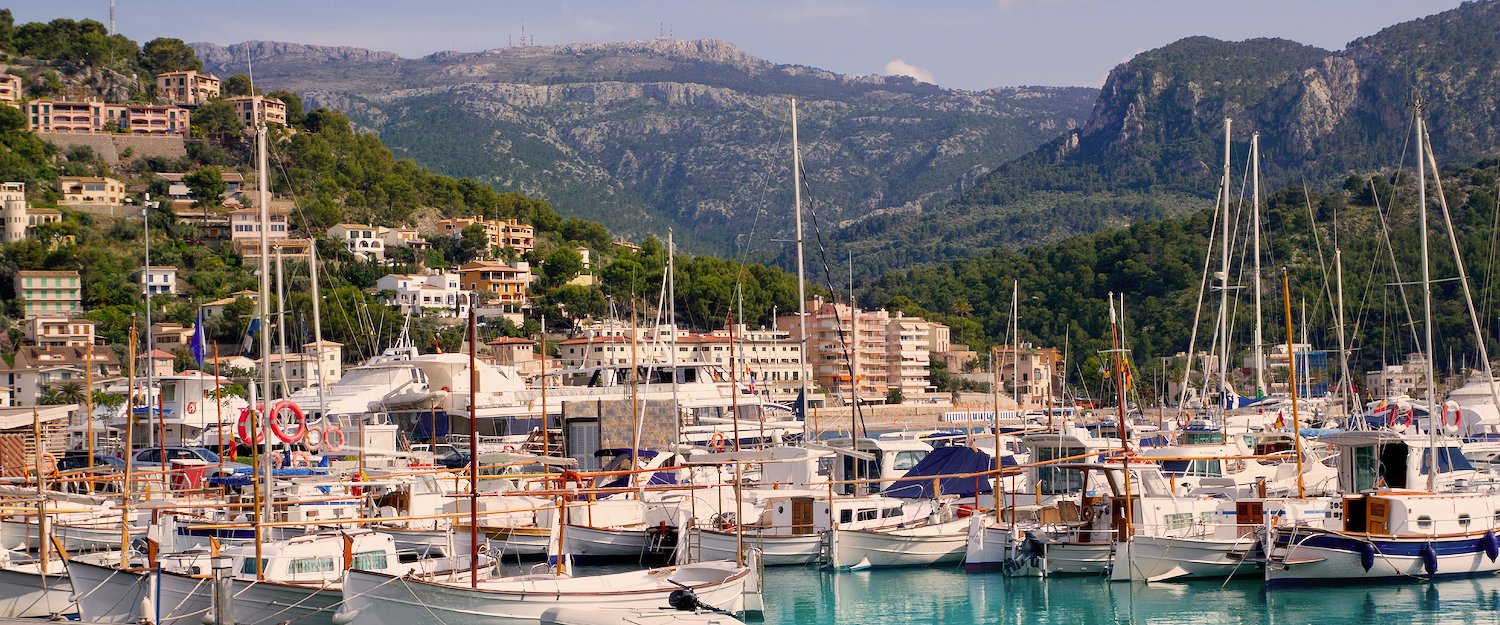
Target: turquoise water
(809,595)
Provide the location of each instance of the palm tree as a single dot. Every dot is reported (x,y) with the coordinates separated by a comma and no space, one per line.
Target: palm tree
(65,393)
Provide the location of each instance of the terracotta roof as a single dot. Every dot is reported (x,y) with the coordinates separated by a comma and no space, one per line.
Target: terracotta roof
(46,274)
(511,340)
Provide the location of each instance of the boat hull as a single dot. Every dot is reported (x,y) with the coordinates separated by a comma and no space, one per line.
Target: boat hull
(865,549)
(1157,558)
(1071,558)
(28,593)
(585,543)
(378,599)
(790,550)
(993,548)
(1330,557)
(106,594)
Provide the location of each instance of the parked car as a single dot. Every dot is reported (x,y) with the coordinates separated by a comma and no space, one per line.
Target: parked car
(149,459)
(74,465)
(446,455)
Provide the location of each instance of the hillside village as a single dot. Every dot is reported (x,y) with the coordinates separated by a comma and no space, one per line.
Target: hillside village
(174,145)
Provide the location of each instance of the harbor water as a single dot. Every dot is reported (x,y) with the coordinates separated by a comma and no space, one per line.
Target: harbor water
(798,595)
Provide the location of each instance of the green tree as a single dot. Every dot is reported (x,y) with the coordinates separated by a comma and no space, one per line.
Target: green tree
(560,266)
(64,393)
(472,243)
(206,185)
(237,85)
(217,121)
(167,54)
(575,303)
(894,396)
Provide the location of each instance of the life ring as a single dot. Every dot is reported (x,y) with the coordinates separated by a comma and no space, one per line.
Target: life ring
(297,435)
(192,407)
(243,430)
(302,459)
(314,439)
(717,441)
(1457,413)
(508,449)
(333,439)
(278,461)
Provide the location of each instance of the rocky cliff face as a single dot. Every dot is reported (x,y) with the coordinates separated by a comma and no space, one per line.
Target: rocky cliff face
(644,135)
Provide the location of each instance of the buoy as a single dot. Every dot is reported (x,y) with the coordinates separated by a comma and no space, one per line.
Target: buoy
(333,439)
(1491,545)
(1367,556)
(243,429)
(302,459)
(314,439)
(301,419)
(1429,559)
(717,441)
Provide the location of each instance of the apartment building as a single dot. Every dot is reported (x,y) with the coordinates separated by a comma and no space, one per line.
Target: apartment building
(908,355)
(158,280)
(87,190)
(57,331)
(37,369)
(435,293)
(507,282)
(254,109)
(11,89)
(96,117)
(1038,377)
(361,240)
(49,292)
(187,87)
(504,233)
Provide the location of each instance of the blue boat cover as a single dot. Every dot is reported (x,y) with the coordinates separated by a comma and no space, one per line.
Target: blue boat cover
(945,461)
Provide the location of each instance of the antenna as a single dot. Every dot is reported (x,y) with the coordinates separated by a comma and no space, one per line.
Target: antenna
(111,17)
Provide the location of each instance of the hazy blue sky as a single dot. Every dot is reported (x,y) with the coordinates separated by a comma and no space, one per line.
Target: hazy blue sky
(971,44)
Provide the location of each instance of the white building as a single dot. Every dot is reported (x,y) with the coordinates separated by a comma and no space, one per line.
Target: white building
(361,240)
(906,354)
(299,370)
(767,360)
(416,294)
(58,331)
(158,280)
(402,237)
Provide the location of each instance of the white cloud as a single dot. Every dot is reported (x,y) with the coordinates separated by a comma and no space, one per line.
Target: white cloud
(898,67)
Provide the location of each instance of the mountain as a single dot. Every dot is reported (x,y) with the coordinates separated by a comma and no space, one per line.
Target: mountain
(643,135)
(1153,146)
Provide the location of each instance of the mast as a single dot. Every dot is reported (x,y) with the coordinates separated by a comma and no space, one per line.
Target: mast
(1344,381)
(1260,354)
(474,453)
(281,318)
(1015,341)
(635,399)
(1224,282)
(853,362)
(671,359)
(312,271)
(88,398)
(150,343)
(129,455)
(734,382)
(801,273)
(264,311)
(1114,331)
(1426,302)
(1291,363)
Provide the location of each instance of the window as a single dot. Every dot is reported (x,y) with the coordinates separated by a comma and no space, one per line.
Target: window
(248,567)
(1463,520)
(369,561)
(1424,522)
(905,460)
(310,565)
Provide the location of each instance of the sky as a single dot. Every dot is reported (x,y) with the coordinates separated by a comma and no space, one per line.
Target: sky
(965,44)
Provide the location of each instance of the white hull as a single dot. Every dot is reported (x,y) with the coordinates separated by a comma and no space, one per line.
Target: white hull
(591,542)
(376,599)
(997,548)
(186,600)
(920,546)
(521,541)
(1078,558)
(75,539)
(106,594)
(775,550)
(25,592)
(1155,558)
(1330,557)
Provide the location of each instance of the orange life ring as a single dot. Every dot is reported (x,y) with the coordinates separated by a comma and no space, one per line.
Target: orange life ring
(245,423)
(1457,416)
(509,449)
(717,441)
(192,407)
(314,439)
(291,406)
(302,459)
(333,439)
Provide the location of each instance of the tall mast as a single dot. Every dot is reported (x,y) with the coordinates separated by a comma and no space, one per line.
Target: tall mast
(150,342)
(280,319)
(1338,269)
(264,202)
(801,273)
(1114,330)
(1224,280)
(1260,354)
(312,271)
(853,361)
(474,451)
(1015,341)
(1291,363)
(1426,303)
(672,321)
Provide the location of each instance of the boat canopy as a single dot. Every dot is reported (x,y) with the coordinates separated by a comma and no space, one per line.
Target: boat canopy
(945,461)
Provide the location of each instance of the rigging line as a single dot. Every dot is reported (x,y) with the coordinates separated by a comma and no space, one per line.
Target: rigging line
(1390,249)
(1187,370)
(853,317)
(1489,273)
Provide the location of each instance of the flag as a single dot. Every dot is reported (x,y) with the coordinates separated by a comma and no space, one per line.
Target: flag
(197,346)
(1280,420)
(1125,373)
(435,346)
(799,407)
(752,378)
(247,348)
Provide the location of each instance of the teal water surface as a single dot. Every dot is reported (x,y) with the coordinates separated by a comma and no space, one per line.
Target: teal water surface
(809,595)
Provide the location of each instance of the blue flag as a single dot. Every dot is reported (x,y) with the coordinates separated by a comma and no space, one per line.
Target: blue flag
(247,349)
(198,342)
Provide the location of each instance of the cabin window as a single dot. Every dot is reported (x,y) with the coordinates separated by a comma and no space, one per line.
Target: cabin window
(905,460)
(1463,520)
(1424,522)
(310,565)
(869,515)
(248,568)
(1366,468)
(1052,480)
(892,512)
(369,561)
(847,516)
